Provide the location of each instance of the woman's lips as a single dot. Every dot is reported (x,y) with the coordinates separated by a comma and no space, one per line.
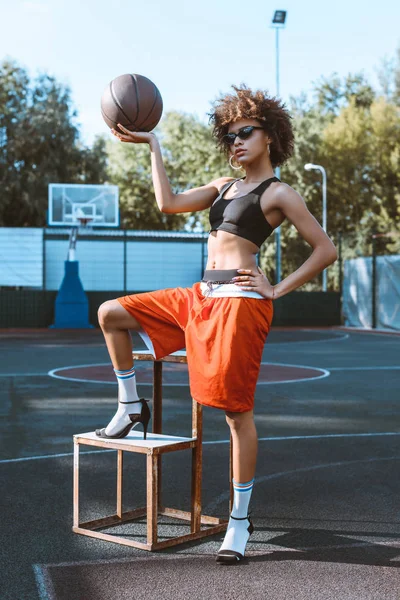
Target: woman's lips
(238,152)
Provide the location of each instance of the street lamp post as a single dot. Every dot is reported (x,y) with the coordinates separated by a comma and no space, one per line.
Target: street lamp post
(278,22)
(310,167)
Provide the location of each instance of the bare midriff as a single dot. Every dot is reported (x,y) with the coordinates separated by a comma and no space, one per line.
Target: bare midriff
(229,251)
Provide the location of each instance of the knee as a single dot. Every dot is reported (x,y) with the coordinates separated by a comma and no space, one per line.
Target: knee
(107,312)
(238,420)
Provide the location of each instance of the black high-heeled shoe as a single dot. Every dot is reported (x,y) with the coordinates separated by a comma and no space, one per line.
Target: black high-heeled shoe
(142,417)
(230,557)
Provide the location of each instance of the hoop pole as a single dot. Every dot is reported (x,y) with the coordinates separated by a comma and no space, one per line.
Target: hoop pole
(72,244)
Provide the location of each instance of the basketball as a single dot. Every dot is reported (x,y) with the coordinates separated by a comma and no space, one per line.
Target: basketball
(132,100)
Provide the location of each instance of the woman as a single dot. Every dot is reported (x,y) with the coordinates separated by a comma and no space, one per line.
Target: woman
(224,320)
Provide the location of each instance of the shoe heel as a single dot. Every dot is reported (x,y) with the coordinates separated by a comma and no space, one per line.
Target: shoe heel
(250,528)
(145,418)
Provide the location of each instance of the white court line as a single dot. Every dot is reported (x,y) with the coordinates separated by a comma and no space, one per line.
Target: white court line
(44,583)
(335,338)
(210,442)
(54,373)
(23,374)
(14,460)
(212,506)
(311,437)
(390,368)
(380,331)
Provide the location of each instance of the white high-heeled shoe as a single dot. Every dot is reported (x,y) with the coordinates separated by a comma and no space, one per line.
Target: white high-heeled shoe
(230,557)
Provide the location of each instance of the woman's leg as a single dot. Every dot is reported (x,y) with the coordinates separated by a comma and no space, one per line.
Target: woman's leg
(245,444)
(116,324)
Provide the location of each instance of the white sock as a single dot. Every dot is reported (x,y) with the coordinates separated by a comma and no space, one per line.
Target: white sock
(236,536)
(126,393)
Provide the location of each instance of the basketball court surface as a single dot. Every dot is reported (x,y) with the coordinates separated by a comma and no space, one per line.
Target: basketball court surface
(325,502)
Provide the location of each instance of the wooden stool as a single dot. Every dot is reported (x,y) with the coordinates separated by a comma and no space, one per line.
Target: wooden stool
(154,447)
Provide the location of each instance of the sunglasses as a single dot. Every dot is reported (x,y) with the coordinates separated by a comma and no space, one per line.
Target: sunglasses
(243,134)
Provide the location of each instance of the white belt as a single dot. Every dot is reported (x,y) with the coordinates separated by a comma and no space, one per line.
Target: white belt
(227,290)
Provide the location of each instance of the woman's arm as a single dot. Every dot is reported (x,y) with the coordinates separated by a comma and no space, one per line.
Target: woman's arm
(162,187)
(324,251)
(193,200)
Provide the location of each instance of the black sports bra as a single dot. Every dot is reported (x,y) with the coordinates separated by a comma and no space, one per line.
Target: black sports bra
(242,215)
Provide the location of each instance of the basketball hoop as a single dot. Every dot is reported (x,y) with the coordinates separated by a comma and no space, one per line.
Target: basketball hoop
(84,222)
(72,204)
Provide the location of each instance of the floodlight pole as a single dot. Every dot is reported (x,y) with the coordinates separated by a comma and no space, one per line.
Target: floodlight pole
(279,21)
(277,60)
(310,167)
(278,258)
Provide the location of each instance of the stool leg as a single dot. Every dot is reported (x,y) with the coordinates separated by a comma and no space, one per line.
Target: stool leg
(152,497)
(230,473)
(157,397)
(120,465)
(157,418)
(197,466)
(76,484)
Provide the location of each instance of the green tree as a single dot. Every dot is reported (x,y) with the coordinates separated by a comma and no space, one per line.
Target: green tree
(94,161)
(333,93)
(361,151)
(362,148)
(40,144)
(382,213)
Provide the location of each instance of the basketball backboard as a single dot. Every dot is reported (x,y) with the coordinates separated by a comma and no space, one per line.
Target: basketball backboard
(70,202)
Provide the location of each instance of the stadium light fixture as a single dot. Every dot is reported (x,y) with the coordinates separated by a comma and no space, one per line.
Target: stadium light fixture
(279,17)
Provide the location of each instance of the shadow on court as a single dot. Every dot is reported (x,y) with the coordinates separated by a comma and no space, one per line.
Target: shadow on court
(324,503)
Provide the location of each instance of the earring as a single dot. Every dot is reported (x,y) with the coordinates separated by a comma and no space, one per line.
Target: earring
(231,165)
(269,150)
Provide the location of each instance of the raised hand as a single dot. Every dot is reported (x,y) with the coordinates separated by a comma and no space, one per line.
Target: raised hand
(133,137)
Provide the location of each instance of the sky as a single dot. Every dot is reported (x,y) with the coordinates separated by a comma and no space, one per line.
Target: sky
(194,51)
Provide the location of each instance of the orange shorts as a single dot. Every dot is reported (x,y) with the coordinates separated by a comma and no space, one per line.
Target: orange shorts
(224,340)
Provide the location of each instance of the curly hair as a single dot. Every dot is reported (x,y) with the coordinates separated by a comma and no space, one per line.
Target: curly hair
(269,111)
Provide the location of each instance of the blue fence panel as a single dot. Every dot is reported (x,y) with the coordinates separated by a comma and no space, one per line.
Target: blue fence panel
(154,265)
(101,264)
(114,260)
(21,256)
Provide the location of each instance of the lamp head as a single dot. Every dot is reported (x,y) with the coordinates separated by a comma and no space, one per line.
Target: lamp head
(310,166)
(279,17)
